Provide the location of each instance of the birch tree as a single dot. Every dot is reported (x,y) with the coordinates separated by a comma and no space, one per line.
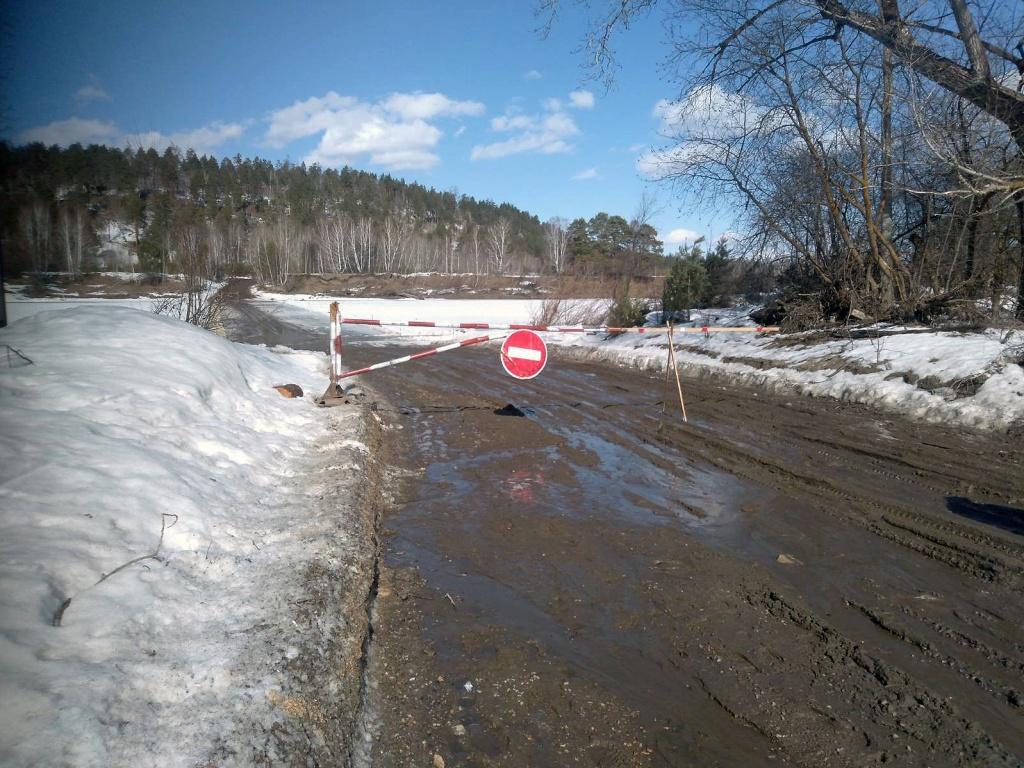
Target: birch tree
(498,240)
(557,238)
(72,233)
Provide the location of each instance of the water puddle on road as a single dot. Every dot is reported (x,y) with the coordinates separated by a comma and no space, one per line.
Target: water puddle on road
(525,526)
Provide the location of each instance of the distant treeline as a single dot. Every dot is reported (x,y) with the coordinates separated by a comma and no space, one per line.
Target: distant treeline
(253,216)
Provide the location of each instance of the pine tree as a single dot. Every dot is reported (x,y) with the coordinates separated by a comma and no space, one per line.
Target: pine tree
(685,285)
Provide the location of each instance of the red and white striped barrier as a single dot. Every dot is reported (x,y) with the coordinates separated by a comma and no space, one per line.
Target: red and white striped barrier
(337,374)
(419,355)
(705,329)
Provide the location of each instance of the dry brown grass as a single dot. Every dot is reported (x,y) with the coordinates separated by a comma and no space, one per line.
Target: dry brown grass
(573,300)
(98,285)
(559,311)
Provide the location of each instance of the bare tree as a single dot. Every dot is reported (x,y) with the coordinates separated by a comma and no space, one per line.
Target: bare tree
(476,249)
(269,252)
(72,233)
(36,225)
(216,245)
(928,40)
(391,240)
(832,97)
(200,301)
(498,240)
(361,243)
(557,236)
(331,244)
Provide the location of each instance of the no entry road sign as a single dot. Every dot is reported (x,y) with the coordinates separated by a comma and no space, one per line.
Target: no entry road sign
(524,354)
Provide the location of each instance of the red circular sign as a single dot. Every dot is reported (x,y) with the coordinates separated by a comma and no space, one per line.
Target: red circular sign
(524,354)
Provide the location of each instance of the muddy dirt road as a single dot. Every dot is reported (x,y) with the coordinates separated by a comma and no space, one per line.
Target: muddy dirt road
(782,581)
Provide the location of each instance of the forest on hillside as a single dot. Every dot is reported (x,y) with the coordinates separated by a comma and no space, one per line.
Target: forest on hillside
(240,216)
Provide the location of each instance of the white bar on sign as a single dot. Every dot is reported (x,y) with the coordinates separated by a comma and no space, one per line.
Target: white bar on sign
(523,353)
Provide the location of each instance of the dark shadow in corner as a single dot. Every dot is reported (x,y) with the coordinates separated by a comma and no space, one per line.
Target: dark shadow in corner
(509,410)
(1008,518)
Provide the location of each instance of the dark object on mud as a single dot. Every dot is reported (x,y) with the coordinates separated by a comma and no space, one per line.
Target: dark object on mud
(335,394)
(289,390)
(1008,518)
(508,410)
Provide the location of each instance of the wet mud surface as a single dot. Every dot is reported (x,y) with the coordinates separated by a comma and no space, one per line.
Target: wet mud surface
(781,581)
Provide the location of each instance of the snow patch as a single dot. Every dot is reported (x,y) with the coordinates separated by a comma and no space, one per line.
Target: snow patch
(133,435)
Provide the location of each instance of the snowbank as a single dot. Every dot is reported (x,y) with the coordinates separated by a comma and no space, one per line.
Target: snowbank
(22,307)
(968,379)
(130,435)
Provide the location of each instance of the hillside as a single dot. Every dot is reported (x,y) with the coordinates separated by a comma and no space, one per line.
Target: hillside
(87,207)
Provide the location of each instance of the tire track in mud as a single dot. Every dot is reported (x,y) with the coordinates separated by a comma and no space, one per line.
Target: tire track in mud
(893,698)
(889,521)
(1004,693)
(960,546)
(1015,666)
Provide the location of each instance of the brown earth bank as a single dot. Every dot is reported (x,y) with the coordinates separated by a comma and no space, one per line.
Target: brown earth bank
(779,581)
(465,286)
(97,285)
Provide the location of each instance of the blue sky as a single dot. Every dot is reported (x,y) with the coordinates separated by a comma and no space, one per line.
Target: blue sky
(455,95)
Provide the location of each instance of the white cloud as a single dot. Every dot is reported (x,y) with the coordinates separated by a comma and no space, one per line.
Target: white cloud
(696,123)
(513,123)
(424,106)
(589,173)
(679,236)
(552,105)
(709,110)
(391,144)
(546,134)
(203,140)
(394,132)
(461,130)
(533,74)
(74,130)
(660,163)
(581,99)
(89,93)
(633,148)
(305,118)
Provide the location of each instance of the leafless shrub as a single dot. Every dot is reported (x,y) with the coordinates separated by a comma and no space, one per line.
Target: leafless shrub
(803,314)
(564,308)
(562,311)
(200,306)
(200,301)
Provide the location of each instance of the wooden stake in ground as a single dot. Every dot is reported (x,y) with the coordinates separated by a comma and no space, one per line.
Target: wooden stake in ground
(675,367)
(668,372)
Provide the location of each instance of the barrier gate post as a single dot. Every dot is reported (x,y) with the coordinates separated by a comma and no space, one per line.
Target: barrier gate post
(334,393)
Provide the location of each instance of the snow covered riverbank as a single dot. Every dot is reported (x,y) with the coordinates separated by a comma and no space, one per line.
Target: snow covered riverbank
(167,521)
(968,379)
(972,380)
